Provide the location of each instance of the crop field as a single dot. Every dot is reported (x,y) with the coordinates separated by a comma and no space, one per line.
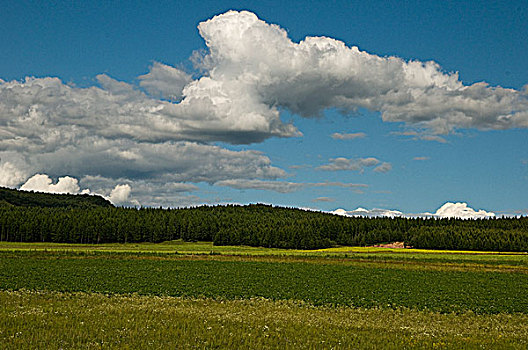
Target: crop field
(195,295)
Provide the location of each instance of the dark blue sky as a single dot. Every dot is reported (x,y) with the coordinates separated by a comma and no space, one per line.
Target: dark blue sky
(481,40)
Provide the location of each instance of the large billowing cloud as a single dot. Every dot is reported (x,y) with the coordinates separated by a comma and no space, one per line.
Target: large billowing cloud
(251,56)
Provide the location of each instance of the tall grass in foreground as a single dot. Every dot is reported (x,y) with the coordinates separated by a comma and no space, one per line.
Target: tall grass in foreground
(54,320)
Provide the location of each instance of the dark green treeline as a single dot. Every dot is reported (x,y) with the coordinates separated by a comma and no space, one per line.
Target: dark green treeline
(255,225)
(14,198)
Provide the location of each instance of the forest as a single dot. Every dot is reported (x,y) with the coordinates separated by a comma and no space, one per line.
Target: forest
(253,225)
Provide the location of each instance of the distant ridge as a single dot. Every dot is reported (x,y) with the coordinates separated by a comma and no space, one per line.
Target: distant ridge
(11,197)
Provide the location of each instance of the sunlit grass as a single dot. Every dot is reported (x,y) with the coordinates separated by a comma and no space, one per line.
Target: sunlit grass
(51,320)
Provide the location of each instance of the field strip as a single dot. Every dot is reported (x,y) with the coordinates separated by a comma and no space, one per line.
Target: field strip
(207,247)
(393,262)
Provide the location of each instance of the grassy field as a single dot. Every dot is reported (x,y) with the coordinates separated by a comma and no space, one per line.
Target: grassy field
(54,320)
(195,295)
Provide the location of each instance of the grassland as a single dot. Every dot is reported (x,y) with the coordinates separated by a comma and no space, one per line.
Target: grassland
(53,320)
(195,295)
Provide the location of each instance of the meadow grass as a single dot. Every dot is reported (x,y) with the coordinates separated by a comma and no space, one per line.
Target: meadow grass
(57,320)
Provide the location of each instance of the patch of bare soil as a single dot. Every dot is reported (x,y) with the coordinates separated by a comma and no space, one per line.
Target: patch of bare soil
(394,245)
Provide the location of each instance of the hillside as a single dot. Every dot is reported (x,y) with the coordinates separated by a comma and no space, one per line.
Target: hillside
(15,198)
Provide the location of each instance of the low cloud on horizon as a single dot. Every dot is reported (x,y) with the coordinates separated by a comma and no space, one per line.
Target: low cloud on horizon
(43,183)
(448,210)
(120,195)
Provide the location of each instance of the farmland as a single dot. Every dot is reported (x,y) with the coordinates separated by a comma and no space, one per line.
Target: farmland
(200,295)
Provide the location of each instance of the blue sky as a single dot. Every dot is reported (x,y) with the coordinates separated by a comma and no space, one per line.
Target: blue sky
(483,164)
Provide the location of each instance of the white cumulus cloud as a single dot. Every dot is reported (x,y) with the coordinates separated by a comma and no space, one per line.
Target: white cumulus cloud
(448,210)
(248,54)
(461,210)
(120,194)
(43,183)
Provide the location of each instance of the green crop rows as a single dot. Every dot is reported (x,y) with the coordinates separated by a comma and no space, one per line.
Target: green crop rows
(440,290)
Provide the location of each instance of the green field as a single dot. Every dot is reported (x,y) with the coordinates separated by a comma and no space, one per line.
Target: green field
(195,295)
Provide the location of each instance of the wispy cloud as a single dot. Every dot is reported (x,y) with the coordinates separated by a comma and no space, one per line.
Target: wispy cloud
(383,167)
(299,166)
(323,199)
(415,135)
(277,186)
(337,184)
(356,164)
(284,186)
(350,136)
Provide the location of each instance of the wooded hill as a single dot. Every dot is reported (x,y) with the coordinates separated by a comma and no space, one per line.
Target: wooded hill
(254,225)
(10,197)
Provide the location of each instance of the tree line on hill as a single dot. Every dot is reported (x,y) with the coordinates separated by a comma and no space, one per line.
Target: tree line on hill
(11,197)
(255,225)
